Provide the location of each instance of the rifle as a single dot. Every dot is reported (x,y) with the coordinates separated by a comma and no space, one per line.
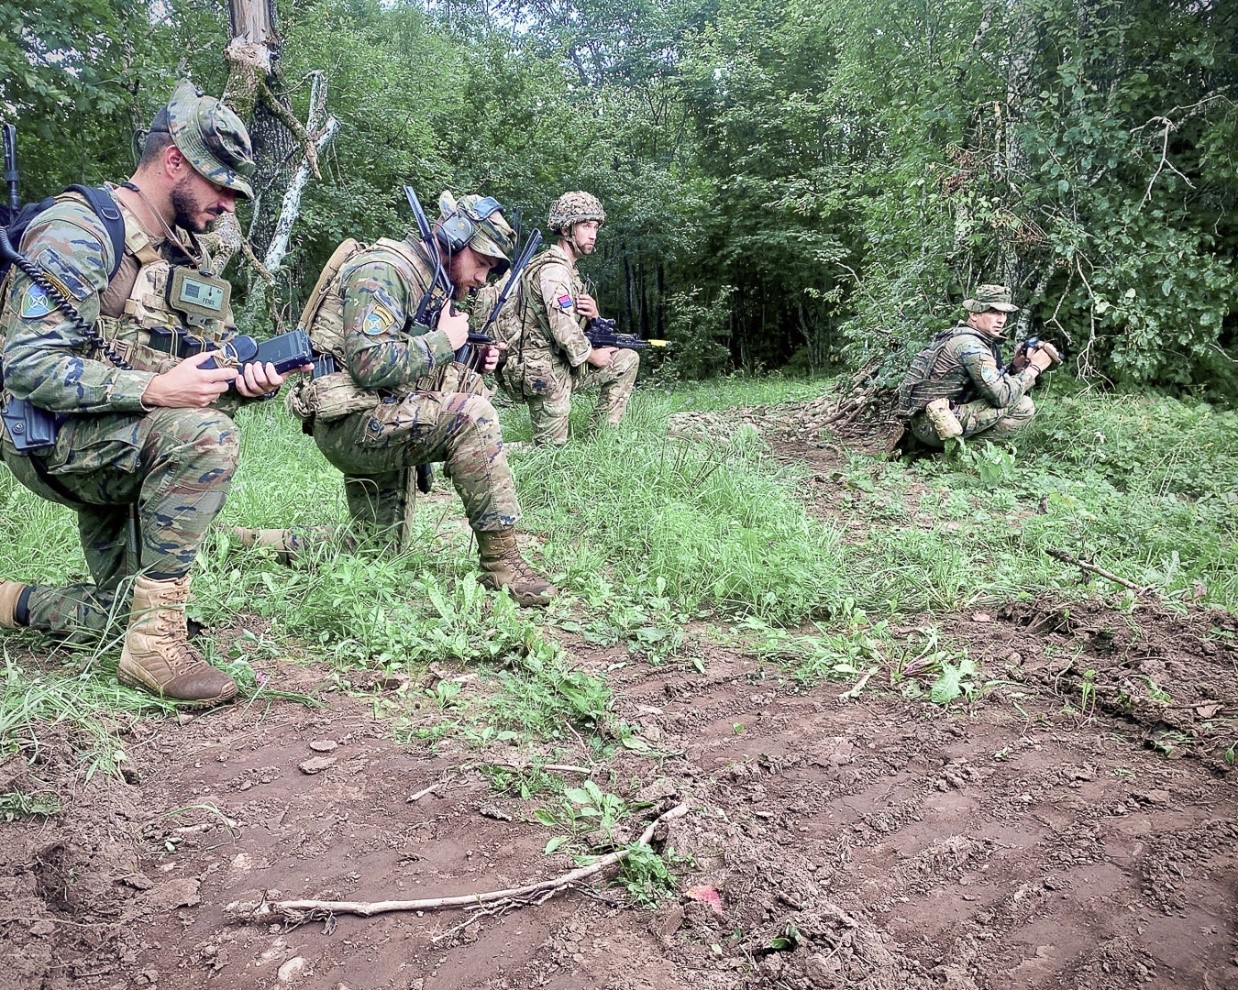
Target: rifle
(10,170)
(603,333)
(482,337)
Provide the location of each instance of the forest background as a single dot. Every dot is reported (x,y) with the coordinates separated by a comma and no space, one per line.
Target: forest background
(789,183)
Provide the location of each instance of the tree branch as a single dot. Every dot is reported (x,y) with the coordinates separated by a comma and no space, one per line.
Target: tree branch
(304,910)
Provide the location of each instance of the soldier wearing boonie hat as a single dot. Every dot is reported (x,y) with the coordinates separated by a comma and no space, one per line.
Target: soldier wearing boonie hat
(958,387)
(986,297)
(211,136)
(106,326)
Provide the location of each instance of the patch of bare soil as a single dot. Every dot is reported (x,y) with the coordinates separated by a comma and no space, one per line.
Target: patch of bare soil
(1030,840)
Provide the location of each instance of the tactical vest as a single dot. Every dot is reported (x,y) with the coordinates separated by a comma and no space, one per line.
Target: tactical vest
(336,395)
(135,317)
(936,373)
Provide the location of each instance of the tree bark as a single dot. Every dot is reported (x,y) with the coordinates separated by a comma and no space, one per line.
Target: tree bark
(285,150)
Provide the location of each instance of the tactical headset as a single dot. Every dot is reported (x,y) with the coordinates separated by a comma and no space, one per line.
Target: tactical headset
(457,229)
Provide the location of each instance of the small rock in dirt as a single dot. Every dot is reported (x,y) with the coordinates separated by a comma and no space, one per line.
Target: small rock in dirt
(1081,773)
(663,787)
(172,894)
(981,617)
(491,810)
(316,765)
(242,862)
(293,968)
(138,881)
(1156,796)
(669,923)
(42,927)
(323,745)
(823,970)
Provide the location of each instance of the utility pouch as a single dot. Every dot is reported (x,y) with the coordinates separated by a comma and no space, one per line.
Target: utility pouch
(29,427)
(947,425)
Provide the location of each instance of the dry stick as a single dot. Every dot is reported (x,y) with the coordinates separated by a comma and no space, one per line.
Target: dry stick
(1084,565)
(296,910)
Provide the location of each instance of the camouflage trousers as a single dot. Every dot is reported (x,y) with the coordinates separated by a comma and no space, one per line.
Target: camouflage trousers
(167,471)
(979,419)
(550,398)
(376,448)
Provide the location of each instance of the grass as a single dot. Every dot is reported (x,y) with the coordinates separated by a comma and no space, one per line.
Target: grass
(648,535)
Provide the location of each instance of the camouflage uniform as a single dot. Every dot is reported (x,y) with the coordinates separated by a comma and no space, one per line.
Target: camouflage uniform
(964,366)
(173,465)
(404,401)
(547,349)
(168,469)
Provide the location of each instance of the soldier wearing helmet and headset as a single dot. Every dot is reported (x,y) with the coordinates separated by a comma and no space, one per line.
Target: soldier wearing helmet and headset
(401,399)
(548,356)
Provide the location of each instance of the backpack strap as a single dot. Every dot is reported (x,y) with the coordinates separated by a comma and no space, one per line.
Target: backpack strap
(101,201)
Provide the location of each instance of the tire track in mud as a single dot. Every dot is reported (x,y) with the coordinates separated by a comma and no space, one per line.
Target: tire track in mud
(967,850)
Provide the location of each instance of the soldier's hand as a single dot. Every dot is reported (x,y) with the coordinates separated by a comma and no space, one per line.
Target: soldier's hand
(1038,359)
(1049,349)
(1020,360)
(587,306)
(455,326)
(261,379)
(490,357)
(189,385)
(601,357)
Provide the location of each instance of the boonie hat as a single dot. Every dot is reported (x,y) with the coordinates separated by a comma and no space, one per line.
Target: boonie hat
(990,297)
(211,136)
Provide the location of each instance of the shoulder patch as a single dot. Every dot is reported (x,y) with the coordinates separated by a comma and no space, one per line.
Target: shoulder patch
(63,273)
(565,302)
(377,321)
(35,303)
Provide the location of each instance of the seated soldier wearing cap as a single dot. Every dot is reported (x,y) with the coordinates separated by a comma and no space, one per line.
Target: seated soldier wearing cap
(957,385)
(400,399)
(145,449)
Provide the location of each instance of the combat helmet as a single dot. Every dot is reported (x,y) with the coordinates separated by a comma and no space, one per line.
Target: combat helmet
(575,207)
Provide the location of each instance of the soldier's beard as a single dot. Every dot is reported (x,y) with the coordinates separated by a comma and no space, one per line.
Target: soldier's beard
(186,209)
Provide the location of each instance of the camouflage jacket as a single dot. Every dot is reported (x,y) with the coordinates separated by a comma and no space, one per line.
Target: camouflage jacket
(551,329)
(380,346)
(47,357)
(961,364)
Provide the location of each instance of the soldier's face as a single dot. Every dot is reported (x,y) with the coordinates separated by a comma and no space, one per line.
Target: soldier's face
(585,234)
(198,202)
(469,270)
(991,321)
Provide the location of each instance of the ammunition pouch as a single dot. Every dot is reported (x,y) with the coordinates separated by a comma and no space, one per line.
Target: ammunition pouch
(328,398)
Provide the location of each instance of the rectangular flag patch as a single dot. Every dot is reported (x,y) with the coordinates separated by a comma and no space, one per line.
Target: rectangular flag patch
(565,302)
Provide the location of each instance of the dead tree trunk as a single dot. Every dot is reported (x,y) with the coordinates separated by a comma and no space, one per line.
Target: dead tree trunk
(285,150)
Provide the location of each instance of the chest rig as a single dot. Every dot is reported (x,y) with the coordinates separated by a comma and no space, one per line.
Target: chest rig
(336,395)
(156,312)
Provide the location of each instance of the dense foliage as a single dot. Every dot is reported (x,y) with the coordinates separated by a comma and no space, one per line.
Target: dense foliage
(787,181)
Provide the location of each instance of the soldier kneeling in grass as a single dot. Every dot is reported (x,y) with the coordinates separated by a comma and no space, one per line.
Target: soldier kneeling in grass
(957,386)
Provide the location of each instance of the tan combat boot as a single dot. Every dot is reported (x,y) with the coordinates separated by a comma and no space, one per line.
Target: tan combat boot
(503,567)
(10,592)
(157,655)
(282,541)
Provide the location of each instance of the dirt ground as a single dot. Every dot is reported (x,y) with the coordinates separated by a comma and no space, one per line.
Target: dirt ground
(1075,826)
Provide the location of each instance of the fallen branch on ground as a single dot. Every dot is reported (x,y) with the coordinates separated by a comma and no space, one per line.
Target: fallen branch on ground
(305,910)
(1084,565)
